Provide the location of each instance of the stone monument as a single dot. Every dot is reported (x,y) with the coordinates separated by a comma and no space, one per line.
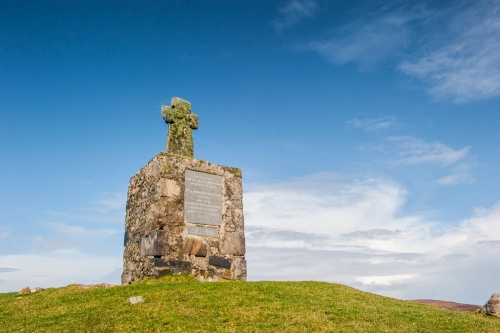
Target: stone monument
(184,216)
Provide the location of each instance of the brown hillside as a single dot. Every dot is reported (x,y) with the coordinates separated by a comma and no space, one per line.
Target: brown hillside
(449,305)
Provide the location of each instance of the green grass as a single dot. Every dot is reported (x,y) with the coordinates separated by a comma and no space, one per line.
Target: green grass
(183,305)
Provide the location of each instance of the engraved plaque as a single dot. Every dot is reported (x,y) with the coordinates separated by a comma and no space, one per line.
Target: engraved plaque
(203,198)
(202,231)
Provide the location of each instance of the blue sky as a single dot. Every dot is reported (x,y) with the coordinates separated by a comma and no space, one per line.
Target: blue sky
(367,132)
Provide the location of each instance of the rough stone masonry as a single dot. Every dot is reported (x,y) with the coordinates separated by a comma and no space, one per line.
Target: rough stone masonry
(184,216)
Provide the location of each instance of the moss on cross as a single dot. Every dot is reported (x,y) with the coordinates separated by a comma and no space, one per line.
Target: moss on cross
(181,123)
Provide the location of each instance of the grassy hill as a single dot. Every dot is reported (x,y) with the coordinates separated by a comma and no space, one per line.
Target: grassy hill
(182,305)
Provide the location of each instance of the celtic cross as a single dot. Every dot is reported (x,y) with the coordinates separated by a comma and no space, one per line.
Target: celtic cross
(181,123)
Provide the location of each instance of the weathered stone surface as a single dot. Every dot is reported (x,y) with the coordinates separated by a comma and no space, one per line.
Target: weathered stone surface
(126,237)
(172,267)
(196,230)
(239,269)
(162,242)
(219,262)
(149,247)
(182,122)
(174,264)
(492,307)
(195,246)
(24,291)
(233,244)
(160,238)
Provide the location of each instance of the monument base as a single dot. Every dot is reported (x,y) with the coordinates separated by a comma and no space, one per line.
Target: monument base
(184,216)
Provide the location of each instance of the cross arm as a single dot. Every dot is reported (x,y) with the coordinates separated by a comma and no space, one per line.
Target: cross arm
(193,121)
(166,113)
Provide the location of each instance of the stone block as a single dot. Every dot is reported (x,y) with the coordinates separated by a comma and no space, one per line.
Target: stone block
(195,246)
(170,267)
(225,274)
(149,247)
(219,262)
(239,269)
(203,231)
(233,244)
(170,188)
(162,242)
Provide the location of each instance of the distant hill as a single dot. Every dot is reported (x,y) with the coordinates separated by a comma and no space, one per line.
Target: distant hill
(449,305)
(179,304)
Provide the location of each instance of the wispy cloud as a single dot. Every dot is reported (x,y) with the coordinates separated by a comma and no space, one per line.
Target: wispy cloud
(59,237)
(465,66)
(109,208)
(371,38)
(7,269)
(407,150)
(460,175)
(110,203)
(454,50)
(380,124)
(294,12)
(411,151)
(79,231)
(387,280)
(88,230)
(345,229)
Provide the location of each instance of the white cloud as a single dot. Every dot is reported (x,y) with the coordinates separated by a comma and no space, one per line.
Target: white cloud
(336,228)
(405,150)
(56,270)
(65,247)
(366,46)
(456,178)
(385,280)
(79,231)
(371,38)
(455,50)
(327,204)
(465,66)
(411,150)
(294,12)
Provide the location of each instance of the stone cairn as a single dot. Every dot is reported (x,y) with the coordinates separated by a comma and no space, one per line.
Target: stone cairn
(184,216)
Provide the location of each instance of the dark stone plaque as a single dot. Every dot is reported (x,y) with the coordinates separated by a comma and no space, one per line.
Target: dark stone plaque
(171,267)
(219,262)
(175,264)
(203,198)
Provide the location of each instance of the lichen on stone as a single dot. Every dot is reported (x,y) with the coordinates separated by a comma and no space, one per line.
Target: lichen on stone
(235,171)
(181,123)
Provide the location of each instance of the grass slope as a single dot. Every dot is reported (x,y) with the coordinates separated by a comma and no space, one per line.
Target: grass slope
(182,305)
